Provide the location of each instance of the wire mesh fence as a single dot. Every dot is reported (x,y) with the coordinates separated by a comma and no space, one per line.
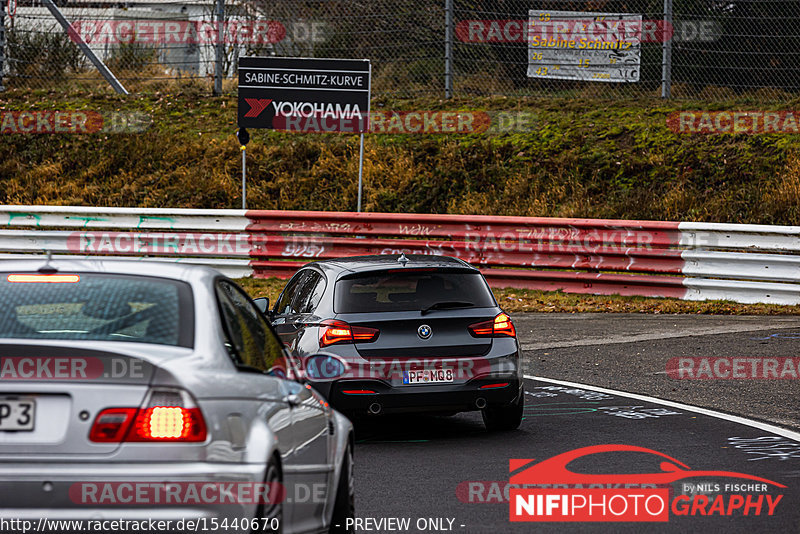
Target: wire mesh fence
(707,49)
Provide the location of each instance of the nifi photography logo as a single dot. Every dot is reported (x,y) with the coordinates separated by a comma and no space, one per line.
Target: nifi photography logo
(548,491)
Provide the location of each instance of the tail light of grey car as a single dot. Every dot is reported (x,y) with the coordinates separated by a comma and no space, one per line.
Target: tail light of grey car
(334,332)
(500,326)
(166,415)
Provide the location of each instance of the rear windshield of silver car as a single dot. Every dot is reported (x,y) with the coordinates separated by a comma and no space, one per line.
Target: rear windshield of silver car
(411,289)
(103,307)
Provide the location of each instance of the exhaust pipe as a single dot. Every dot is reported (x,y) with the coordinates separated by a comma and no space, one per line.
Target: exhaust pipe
(480,403)
(375,408)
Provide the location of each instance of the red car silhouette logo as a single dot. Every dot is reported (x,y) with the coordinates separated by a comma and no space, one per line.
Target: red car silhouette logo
(554,470)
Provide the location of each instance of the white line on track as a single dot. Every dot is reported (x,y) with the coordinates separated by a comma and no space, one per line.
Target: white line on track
(795,436)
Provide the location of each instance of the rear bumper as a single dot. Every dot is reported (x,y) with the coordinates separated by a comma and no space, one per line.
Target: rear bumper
(423,398)
(168,493)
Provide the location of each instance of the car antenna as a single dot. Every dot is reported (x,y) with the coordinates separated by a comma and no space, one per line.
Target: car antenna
(47,268)
(402,259)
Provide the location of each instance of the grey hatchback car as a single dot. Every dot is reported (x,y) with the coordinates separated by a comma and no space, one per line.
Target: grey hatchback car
(134,391)
(419,333)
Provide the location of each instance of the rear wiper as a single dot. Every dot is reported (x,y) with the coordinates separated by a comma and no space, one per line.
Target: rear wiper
(447,304)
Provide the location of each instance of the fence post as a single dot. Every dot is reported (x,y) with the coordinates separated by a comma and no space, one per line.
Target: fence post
(667,33)
(220,47)
(448,48)
(2,42)
(88,52)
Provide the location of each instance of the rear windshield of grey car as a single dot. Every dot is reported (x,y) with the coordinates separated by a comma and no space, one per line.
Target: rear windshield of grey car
(92,306)
(407,291)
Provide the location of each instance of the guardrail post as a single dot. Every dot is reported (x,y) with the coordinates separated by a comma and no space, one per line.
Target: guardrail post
(448,48)
(667,33)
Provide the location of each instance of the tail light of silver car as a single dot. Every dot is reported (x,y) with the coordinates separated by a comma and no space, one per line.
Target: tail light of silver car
(500,326)
(166,415)
(337,332)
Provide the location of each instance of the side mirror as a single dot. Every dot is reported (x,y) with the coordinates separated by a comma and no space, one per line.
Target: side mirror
(323,367)
(262,304)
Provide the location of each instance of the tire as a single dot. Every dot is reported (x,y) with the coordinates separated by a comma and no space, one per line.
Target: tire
(267,513)
(504,418)
(344,506)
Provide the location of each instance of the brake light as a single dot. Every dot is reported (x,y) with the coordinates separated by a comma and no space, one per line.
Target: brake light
(168,423)
(495,386)
(499,326)
(166,415)
(503,326)
(358,392)
(43,278)
(334,332)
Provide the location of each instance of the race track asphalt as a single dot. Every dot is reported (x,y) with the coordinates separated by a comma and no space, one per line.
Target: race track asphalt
(448,474)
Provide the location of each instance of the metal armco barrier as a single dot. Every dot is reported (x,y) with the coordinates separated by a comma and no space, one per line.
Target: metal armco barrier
(695,261)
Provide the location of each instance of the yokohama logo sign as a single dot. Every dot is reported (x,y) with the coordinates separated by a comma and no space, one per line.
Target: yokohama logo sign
(287,113)
(275,90)
(308,109)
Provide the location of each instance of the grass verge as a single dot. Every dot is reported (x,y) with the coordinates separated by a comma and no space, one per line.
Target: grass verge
(583,157)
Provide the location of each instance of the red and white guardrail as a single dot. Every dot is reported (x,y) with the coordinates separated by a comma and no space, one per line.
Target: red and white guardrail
(694,261)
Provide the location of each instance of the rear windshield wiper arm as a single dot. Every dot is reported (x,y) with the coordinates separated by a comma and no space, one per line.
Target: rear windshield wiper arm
(447,304)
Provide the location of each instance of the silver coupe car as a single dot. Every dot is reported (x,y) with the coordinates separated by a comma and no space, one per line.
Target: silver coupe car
(140,391)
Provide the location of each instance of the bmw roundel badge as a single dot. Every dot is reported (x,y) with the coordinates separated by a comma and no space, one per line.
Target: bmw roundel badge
(424,331)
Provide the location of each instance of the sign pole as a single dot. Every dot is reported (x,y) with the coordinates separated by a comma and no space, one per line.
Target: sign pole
(360,170)
(244,137)
(244,178)
(364,126)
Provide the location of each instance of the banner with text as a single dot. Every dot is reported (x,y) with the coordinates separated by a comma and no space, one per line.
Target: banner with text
(594,47)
